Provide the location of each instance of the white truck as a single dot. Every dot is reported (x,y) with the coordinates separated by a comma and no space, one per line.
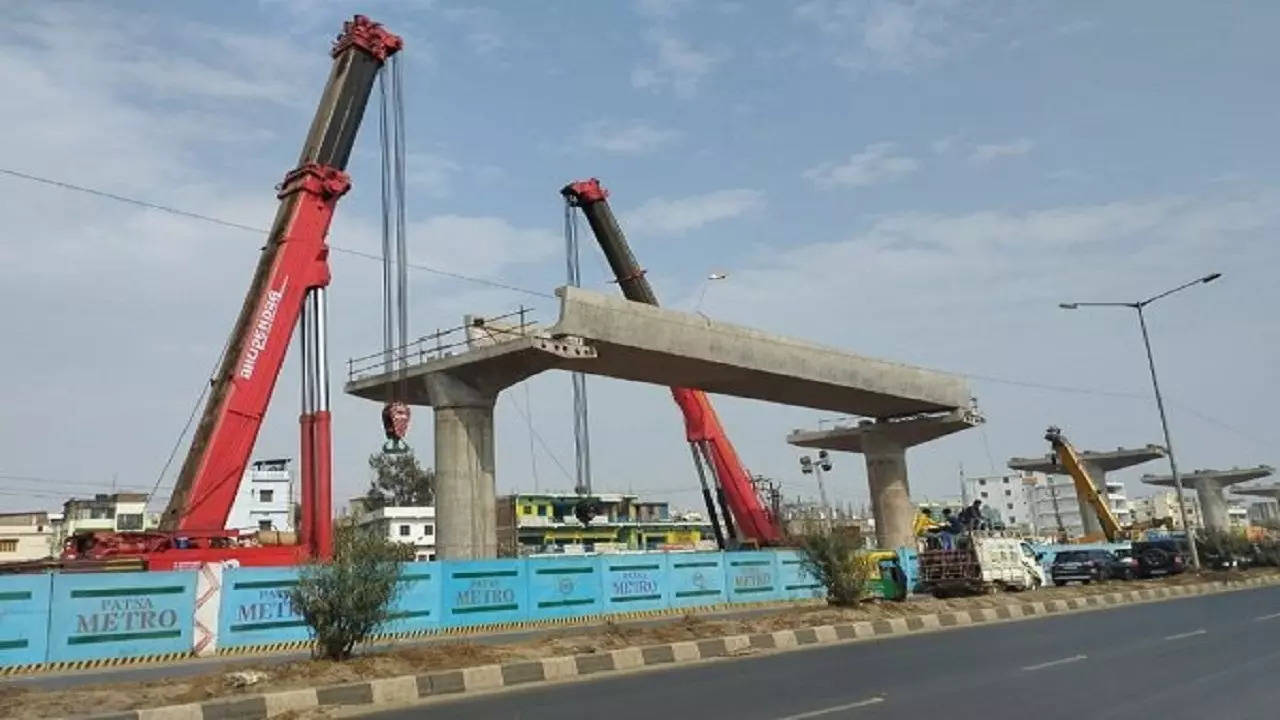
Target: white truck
(980,562)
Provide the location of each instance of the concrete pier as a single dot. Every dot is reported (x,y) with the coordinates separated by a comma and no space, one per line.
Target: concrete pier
(1209,486)
(1098,464)
(603,335)
(884,444)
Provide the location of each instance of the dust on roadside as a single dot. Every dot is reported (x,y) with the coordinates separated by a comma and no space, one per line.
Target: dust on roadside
(17,701)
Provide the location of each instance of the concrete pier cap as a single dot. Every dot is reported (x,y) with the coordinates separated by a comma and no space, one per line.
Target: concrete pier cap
(614,337)
(884,443)
(1210,486)
(1098,463)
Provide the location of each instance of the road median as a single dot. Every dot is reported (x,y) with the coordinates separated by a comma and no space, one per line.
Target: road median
(458,668)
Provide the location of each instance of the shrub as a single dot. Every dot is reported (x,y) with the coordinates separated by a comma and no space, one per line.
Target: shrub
(345,601)
(836,560)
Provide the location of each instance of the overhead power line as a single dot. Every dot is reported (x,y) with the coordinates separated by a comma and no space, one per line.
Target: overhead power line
(257,230)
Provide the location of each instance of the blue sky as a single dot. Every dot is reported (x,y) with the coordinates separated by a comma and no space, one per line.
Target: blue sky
(921,182)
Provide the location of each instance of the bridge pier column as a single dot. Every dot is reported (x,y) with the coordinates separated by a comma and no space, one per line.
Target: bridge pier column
(464,466)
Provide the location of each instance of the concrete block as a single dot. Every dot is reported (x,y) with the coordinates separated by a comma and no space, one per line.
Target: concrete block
(444,682)
(483,677)
(192,711)
(864,629)
(236,709)
(403,689)
(712,648)
(350,694)
(736,643)
(806,636)
(658,654)
(930,622)
(685,651)
(626,658)
(522,672)
(281,702)
(558,668)
(825,634)
(784,639)
(763,641)
(986,614)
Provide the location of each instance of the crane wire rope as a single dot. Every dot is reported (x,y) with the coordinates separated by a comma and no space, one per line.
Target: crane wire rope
(551,296)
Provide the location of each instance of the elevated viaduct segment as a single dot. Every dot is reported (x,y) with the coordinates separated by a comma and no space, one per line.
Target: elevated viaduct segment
(612,337)
(1210,486)
(884,444)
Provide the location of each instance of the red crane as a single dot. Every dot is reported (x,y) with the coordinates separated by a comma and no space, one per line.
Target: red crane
(288,287)
(707,438)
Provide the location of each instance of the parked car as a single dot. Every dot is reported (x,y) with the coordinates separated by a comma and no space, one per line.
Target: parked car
(1160,557)
(1127,567)
(1085,566)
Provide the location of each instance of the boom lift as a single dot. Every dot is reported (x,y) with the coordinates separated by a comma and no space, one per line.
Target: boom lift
(1069,459)
(288,288)
(707,439)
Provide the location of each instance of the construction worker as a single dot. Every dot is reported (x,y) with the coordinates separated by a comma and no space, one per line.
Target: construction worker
(971,517)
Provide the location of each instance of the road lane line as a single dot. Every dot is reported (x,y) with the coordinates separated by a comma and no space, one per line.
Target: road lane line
(1272,616)
(1059,661)
(834,708)
(1180,636)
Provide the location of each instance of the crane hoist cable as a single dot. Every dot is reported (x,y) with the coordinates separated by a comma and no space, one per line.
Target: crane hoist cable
(395,260)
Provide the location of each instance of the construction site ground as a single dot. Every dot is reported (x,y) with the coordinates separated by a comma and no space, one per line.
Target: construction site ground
(19,699)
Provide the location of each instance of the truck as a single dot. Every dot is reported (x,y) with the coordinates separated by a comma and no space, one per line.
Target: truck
(981,561)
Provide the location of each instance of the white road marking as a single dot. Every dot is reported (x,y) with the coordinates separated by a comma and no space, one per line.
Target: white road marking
(1272,616)
(1060,661)
(1180,636)
(834,708)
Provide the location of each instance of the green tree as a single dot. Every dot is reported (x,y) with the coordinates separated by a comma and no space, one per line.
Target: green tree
(345,602)
(837,561)
(398,479)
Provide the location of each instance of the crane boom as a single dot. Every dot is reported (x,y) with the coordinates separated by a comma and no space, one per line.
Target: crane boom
(292,272)
(702,426)
(1070,459)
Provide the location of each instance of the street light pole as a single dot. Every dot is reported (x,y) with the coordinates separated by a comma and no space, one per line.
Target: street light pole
(1155,385)
(1168,440)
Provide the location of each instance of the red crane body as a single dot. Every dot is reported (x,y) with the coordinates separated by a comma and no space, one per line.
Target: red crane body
(702,426)
(288,285)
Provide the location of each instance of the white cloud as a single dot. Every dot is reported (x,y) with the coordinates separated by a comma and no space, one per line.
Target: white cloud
(875,164)
(633,138)
(676,65)
(992,151)
(481,246)
(430,173)
(942,146)
(661,216)
(865,35)
(660,8)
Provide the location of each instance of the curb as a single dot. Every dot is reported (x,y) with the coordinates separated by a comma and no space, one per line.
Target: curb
(413,688)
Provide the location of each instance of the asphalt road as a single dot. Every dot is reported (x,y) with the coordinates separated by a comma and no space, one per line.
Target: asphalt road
(1209,657)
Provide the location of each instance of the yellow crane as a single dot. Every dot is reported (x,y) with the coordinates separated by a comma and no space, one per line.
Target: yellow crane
(1070,459)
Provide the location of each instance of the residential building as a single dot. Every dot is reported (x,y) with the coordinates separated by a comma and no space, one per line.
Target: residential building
(114,512)
(1162,507)
(1055,509)
(265,498)
(531,523)
(1004,494)
(406,524)
(1265,513)
(1237,517)
(31,535)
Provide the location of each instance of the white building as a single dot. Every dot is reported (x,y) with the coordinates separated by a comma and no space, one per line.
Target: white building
(1052,500)
(409,525)
(1005,494)
(29,536)
(1263,513)
(265,498)
(1163,506)
(118,512)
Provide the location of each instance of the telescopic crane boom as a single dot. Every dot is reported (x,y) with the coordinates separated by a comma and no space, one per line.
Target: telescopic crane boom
(287,288)
(1070,459)
(706,436)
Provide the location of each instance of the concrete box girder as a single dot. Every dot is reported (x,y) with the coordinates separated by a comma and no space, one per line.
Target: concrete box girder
(634,341)
(906,433)
(1106,461)
(1209,486)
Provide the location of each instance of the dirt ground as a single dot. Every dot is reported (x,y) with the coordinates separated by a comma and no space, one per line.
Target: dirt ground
(407,659)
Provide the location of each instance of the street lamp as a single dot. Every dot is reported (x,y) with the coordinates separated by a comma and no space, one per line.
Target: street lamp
(1155,384)
(807,466)
(706,284)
